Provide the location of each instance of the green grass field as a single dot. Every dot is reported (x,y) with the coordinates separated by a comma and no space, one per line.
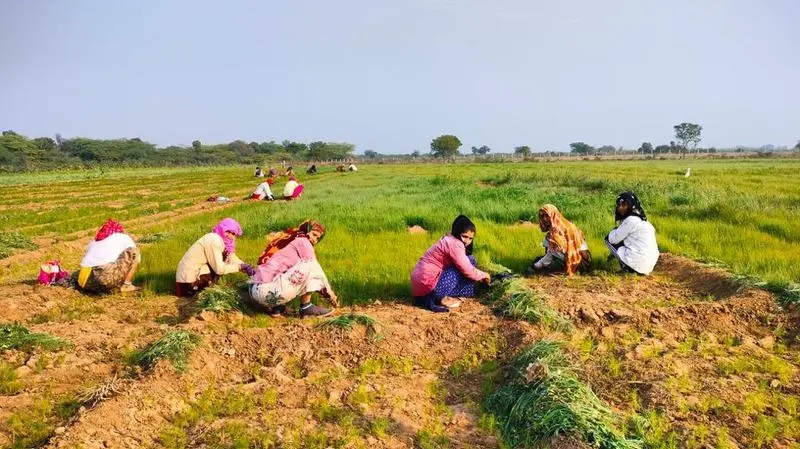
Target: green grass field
(742,214)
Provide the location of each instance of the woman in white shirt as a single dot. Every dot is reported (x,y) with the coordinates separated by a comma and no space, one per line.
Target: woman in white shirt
(110,261)
(633,242)
(262,192)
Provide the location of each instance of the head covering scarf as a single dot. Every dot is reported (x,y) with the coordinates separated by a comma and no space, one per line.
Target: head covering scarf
(276,241)
(229,225)
(461,225)
(564,237)
(634,206)
(111,226)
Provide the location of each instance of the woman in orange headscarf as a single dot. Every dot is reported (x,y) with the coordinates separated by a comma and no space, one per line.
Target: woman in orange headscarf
(564,244)
(288,269)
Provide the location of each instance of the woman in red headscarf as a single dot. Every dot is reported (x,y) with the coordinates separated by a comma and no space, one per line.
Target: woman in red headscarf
(288,268)
(565,247)
(110,261)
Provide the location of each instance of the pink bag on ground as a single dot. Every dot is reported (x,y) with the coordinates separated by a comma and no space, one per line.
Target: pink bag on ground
(51,273)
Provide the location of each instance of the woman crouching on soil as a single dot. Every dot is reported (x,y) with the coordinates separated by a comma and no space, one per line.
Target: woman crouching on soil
(447,270)
(210,257)
(564,245)
(288,268)
(633,242)
(110,261)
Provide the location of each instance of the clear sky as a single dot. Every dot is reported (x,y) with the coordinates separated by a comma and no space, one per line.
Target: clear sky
(390,75)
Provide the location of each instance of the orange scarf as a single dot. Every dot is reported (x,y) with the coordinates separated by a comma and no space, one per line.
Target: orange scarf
(276,241)
(564,237)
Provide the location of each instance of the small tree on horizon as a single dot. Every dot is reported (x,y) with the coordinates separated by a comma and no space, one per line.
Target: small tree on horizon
(581,148)
(524,150)
(688,134)
(646,147)
(481,150)
(446,145)
(197,145)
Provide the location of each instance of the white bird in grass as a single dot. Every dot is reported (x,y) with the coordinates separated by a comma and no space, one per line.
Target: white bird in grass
(688,172)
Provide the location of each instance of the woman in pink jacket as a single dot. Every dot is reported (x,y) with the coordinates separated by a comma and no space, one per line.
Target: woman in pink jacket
(447,270)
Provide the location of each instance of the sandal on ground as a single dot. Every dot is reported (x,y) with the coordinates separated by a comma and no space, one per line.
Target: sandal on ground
(129,288)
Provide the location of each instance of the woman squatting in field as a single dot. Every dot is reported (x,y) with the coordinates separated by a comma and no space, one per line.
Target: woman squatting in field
(288,268)
(564,244)
(293,189)
(110,261)
(447,270)
(633,241)
(210,257)
(262,192)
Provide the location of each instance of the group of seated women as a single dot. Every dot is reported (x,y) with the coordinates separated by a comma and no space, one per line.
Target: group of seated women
(446,273)
(288,268)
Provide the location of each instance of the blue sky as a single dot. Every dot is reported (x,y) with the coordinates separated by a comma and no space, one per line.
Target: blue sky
(391,75)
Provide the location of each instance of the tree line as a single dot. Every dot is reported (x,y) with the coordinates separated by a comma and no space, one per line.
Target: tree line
(18,152)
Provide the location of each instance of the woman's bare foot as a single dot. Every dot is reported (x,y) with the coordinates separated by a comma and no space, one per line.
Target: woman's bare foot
(450,303)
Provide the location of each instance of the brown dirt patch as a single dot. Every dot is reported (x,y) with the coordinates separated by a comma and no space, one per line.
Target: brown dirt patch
(417,229)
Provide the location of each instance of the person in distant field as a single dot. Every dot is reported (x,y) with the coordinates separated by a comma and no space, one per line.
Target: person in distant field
(262,192)
(293,189)
(110,261)
(273,172)
(340,168)
(633,241)
(447,270)
(564,244)
(352,167)
(210,257)
(288,268)
(259,173)
(290,172)
(312,170)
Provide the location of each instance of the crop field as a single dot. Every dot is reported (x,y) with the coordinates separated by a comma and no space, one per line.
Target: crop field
(702,353)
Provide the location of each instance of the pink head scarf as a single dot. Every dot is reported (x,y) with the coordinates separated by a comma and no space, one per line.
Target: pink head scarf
(229,225)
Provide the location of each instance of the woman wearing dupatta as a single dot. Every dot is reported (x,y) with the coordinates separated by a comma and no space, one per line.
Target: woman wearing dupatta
(565,247)
(288,269)
(110,261)
(210,257)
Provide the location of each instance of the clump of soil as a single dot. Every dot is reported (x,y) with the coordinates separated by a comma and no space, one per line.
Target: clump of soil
(417,229)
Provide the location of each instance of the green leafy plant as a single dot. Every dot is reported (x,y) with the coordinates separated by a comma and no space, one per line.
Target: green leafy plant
(11,241)
(19,337)
(347,322)
(175,346)
(219,299)
(542,398)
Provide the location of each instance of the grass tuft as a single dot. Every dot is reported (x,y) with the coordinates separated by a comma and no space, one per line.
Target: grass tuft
(542,398)
(219,299)
(155,238)
(175,346)
(11,241)
(19,337)
(515,299)
(347,322)
(109,388)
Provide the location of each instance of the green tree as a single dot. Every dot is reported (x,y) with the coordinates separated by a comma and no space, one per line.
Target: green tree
(606,149)
(197,145)
(524,150)
(646,147)
(446,145)
(481,150)
(688,134)
(797,147)
(415,154)
(371,154)
(581,148)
